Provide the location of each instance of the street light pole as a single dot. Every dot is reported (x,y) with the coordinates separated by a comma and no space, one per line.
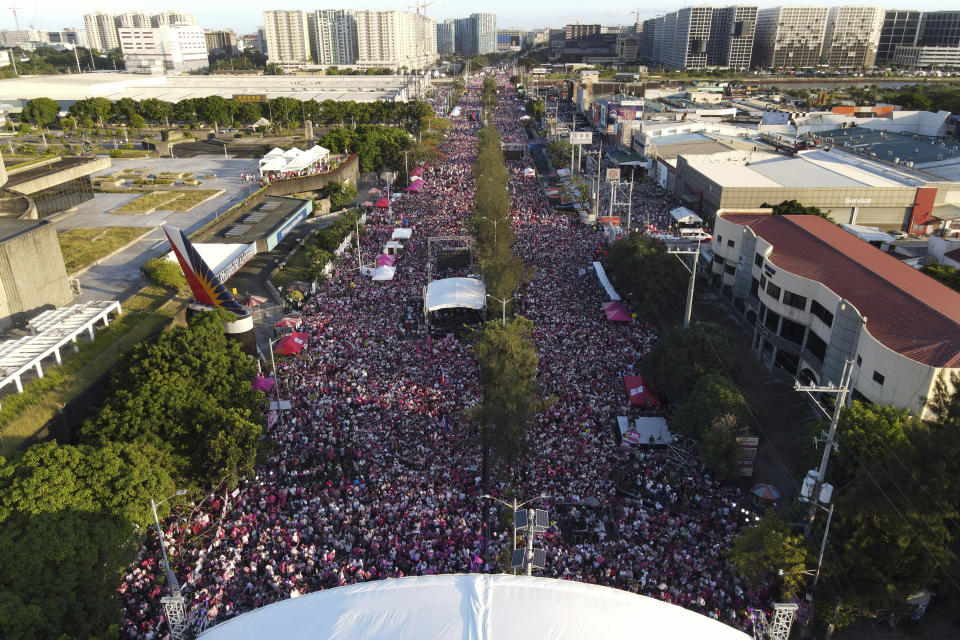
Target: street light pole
(276,374)
(503,304)
(688,308)
(530,524)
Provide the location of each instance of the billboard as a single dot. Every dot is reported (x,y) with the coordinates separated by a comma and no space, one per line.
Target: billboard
(613,175)
(250,97)
(581,137)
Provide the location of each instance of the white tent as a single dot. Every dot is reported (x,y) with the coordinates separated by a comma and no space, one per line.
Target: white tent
(310,156)
(455,293)
(262,122)
(402,233)
(385,272)
(392,247)
(472,607)
(682,215)
(605,282)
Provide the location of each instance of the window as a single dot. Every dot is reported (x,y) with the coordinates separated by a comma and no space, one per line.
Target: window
(878,378)
(730,243)
(758,260)
(821,312)
(859,361)
(795,301)
(772,321)
(792,331)
(719,239)
(754,287)
(773,291)
(731,269)
(816,346)
(718,259)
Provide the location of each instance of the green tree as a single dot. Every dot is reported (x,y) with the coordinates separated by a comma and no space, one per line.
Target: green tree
(155,110)
(341,194)
(247,113)
(944,274)
(719,449)
(165,273)
(536,109)
(137,122)
(559,153)
(273,69)
(68,123)
(683,356)
(713,396)
(794,208)
(182,393)
(214,109)
(41,111)
(768,551)
(67,518)
(122,110)
(651,278)
(867,430)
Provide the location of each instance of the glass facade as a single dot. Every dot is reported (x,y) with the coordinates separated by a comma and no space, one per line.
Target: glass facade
(63,196)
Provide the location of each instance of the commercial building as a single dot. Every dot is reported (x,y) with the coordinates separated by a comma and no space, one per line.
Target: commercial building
(926,57)
(818,297)
(446,38)
(572,32)
(789,37)
(164,49)
(510,40)
(940,29)
(103,28)
(287,37)
(221,41)
(899,28)
(851,37)
(845,180)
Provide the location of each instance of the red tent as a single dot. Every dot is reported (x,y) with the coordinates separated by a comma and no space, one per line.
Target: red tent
(288,323)
(639,393)
(254,301)
(382,203)
(616,312)
(291,344)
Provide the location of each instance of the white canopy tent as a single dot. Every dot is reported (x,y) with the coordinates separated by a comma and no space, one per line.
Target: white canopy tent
(455,293)
(401,233)
(383,273)
(471,607)
(310,156)
(682,215)
(292,159)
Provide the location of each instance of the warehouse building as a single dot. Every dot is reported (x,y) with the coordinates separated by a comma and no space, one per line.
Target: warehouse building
(851,187)
(817,297)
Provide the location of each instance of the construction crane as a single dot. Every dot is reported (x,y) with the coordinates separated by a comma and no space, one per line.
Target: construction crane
(421,6)
(16,20)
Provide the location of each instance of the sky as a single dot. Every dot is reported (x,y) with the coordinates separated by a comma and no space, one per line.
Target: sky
(245,15)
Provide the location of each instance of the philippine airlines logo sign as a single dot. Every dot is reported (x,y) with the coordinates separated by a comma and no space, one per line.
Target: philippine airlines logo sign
(207,287)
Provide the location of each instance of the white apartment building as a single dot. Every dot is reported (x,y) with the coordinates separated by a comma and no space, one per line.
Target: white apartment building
(817,296)
(851,37)
(101,31)
(172,18)
(395,39)
(333,36)
(287,37)
(486,30)
(163,49)
(789,37)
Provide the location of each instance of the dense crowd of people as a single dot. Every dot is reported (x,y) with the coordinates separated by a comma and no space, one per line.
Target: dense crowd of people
(375,473)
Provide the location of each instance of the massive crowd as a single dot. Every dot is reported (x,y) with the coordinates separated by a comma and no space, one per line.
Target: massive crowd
(374,472)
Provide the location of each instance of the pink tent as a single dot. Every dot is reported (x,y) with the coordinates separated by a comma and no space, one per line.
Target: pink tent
(385,259)
(416,185)
(616,312)
(366,203)
(417,171)
(382,203)
(639,393)
(263,384)
(292,344)
(254,301)
(373,192)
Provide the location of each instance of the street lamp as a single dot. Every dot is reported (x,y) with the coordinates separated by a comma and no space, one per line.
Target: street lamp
(173,605)
(503,304)
(276,374)
(515,507)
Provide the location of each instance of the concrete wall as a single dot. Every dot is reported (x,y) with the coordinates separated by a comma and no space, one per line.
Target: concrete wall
(32,275)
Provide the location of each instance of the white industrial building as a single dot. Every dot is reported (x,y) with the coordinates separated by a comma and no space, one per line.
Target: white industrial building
(164,49)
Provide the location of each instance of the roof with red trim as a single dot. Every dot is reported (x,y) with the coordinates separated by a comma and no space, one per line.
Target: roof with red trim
(905,310)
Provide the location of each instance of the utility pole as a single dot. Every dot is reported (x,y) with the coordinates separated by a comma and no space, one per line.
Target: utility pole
(629,205)
(688,308)
(173,605)
(77,58)
(596,200)
(812,492)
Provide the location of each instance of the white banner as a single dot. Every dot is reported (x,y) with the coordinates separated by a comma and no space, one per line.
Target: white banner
(581,137)
(613,175)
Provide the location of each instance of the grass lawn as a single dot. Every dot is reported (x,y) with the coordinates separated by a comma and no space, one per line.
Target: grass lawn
(148,202)
(23,416)
(189,199)
(82,247)
(296,269)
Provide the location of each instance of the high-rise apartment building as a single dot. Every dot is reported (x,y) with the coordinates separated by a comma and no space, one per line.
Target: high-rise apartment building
(287,37)
(173,19)
(333,36)
(580,31)
(395,39)
(465,36)
(851,37)
(446,41)
(486,29)
(101,31)
(789,37)
(940,29)
(731,37)
(221,41)
(899,28)
(163,49)
(698,37)
(133,20)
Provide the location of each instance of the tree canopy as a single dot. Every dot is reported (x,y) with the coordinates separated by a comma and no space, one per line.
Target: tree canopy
(684,356)
(762,551)
(794,208)
(41,111)
(651,278)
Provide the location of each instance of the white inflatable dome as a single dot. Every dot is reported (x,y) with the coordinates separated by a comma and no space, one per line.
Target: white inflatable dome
(472,607)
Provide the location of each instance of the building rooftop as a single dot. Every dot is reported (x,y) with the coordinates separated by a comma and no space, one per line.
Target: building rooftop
(13,228)
(260,221)
(930,154)
(807,168)
(905,310)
